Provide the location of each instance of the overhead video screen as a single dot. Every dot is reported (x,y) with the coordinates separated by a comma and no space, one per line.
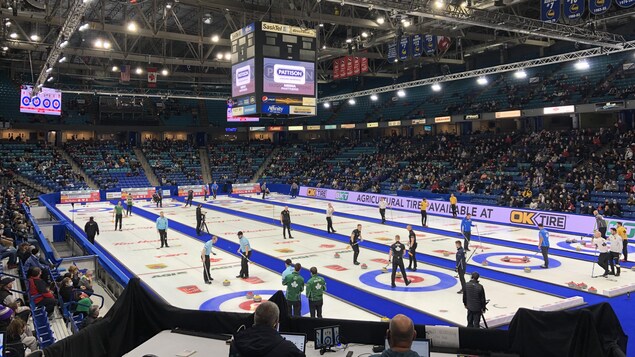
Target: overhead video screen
(243,78)
(288,77)
(48,101)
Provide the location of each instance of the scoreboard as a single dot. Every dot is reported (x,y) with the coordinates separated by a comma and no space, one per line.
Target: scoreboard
(273,71)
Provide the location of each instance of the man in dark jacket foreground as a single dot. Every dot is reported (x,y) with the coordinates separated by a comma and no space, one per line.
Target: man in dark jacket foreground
(263,339)
(474,301)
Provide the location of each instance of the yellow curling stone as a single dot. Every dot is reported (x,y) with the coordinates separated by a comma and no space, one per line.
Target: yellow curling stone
(226,282)
(527,270)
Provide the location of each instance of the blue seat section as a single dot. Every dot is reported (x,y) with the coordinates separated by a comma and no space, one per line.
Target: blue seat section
(237,162)
(295,162)
(111,165)
(174,162)
(39,163)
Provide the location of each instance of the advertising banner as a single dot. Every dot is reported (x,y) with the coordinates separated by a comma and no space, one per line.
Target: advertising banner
(199,190)
(79,196)
(576,224)
(241,188)
(137,192)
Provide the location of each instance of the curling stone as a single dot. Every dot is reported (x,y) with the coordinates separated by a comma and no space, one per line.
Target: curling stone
(336,255)
(485,263)
(578,248)
(574,240)
(592,290)
(257,298)
(571,284)
(569,241)
(527,270)
(363,266)
(226,282)
(505,259)
(398,275)
(249,295)
(384,270)
(582,286)
(385,319)
(633,268)
(446,254)
(525,259)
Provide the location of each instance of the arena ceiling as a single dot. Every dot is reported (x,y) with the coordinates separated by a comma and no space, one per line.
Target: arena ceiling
(189,38)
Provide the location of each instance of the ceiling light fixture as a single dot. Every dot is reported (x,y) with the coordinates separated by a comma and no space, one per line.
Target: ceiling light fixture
(64,44)
(351,101)
(219,56)
(62,60)
(215,38)
(327,105)
(165,72)
(138,70)
(115,68)
(401,93)
(228,56)
(35,37)
(520,74)
(482,81)
(13,35)
(436,87)
(381,20)
(132,26)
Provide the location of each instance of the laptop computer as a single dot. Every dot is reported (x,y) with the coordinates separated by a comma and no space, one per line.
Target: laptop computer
(298,339)
(419,345)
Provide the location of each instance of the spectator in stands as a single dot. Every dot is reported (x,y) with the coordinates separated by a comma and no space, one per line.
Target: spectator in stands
(24,252)
(11,253)
(34,261)
(93,316)
(40,292)
(67,291)
(18,331)
(8,299)
(262,340)
(400,335)
(6,315)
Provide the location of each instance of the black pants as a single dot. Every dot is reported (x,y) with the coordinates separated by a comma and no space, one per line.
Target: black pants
(397,263)
(424,218)
(474,318)
(625,249)
(244,265)
(48,303)
(198,227)
(329,225)
(315,308)
(214,194)
(205,196)
(412,257)
(91,238)
(294,308)
(188,201)
(207,276)
(466,240)
(129,210)
(382,212)
(614,257)
(602,231)
(163,235)
(603,261)
(545,255)
(160,202)
(355,251)
(453,210)
(286,227)
(118,219)
(461,271)
(264,192)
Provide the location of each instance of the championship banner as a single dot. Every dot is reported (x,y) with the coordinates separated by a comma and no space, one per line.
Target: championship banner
(364,65)
(356,66)
(550,10)
(137,192)
(342,67)
(242,188)
(404,48)
(79,196)
(625,3)
(574,9)
(417,46)
(598,7)
(199,190)
(573,223)
(429,44)
(336,69)
(349,66)
(392,52)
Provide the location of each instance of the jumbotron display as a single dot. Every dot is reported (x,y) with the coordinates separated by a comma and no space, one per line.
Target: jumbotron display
(273,71)
(48,101)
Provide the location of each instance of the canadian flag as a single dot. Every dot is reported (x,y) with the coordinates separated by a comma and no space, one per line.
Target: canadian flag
(152,77)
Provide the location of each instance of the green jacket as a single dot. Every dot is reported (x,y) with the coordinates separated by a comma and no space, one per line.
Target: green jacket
(315,288)
(129,201)
(295,285)
(118,210)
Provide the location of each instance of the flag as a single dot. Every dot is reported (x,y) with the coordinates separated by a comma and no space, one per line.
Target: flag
(125,73)
(443,44)
(152,77)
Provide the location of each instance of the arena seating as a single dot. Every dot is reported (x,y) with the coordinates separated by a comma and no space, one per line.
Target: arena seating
(237,162)
(174,162)
(111,165)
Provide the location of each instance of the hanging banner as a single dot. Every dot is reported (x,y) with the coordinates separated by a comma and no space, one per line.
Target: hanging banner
(152,77)
(356,66)
(404,48)
(574,9)
(598,7)
(550,10)
(417,46)
(430,44)
(625,3)
(392,52)
(443,44)
(336,69)
(364,65)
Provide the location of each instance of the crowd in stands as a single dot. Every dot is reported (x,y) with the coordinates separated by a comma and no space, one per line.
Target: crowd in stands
(237,162)
(174,162)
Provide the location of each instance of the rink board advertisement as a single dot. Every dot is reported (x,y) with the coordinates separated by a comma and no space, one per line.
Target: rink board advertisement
(242,188)
(137,192)
(79,196)
(506,215)
(199,190)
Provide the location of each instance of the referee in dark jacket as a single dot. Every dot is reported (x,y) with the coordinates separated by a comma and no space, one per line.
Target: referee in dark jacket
(395,255)
(474,301)
(285,221)
(460,265)
(91,228)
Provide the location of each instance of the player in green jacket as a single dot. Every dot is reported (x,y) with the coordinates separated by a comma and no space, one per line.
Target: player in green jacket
(129,204)
(315,288)
(295,286)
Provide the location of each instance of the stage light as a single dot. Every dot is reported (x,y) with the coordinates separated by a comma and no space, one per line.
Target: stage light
(168,5)
(13,35)
(582,65)
(115,68)
(374,97)
(138,70)
(401,93)
(482,81)
(520,74)
(439,4)
(165,72)
(50,79)
(349,40)
(99,43)
(64,44)
(215,38)
(228,56)
(106,45)
(84,27)
(327,105)
(436,87)
(35,37)
(62,60)
(49,70)
(5,48)
(219,56)
(381,20)
(364,34)
(351,101)
(132,26)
